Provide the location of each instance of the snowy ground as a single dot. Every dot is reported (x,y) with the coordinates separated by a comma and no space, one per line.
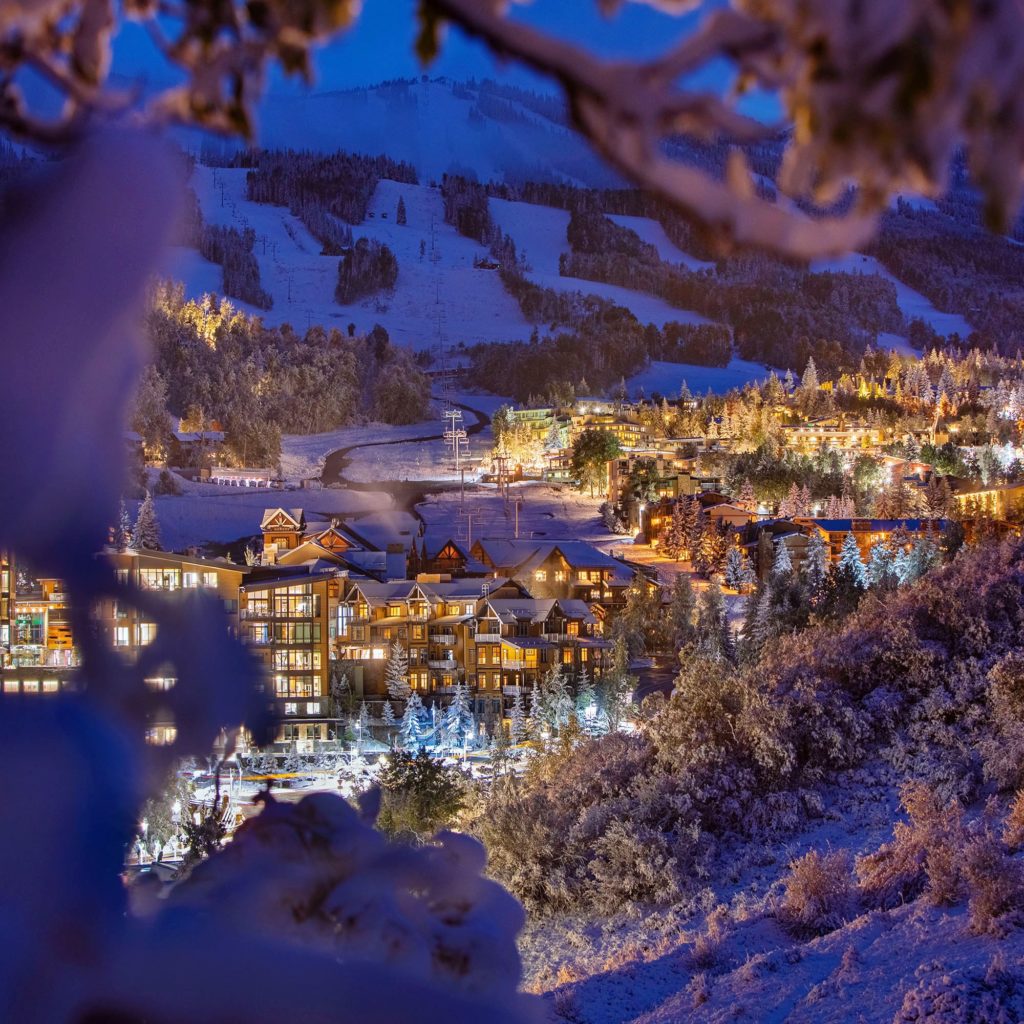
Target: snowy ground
(667,378)
(209,513)
(546,512)
(653,233)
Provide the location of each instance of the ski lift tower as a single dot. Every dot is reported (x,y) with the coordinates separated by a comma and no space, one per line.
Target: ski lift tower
(455,435)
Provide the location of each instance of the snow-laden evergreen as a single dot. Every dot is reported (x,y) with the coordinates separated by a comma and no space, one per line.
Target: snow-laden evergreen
(396,673)
(146,534)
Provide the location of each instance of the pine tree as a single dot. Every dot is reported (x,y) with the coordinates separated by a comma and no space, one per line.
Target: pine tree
(747,499)
(556,702)
(681,610)
(790,504)
(389,714)
(815,566)
(809,381)
(396,674)
(735,568)
(881,567)
(851,564)
(146,535)
(586,696)
(123,534)
(534,719)
(400,217)
(712,626)
(362,725)
(457,725)
(517,718)
(410,731)
(759,627)
(783,564)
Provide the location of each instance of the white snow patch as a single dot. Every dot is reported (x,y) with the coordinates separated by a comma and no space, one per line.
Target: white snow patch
(667,378)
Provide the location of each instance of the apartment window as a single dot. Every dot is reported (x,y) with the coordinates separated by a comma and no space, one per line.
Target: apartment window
(11,686)
(50,686)
(190,580)
(469,609)
(378,654)
(394,611)
(540,575)
(122,576)
(291,709)
(159,579)
(30,686)
(210,580)
(559,575)
(566,655)
(260,633)
(313,708)
(583,653)
(122,636)
(572,628)
(417,632)
(161,735)
(147,633)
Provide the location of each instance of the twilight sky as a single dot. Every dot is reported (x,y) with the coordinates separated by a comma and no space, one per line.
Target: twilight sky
(380,46)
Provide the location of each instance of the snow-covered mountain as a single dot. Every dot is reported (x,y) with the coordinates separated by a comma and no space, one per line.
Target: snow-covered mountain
(439,126)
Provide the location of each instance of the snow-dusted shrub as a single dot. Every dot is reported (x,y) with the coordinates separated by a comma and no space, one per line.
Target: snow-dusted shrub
(923,855)
(708,944)
(953,996)
(1013,827)
(818,893)
(633,863)
(316,873)
(995,883)
(1003,750)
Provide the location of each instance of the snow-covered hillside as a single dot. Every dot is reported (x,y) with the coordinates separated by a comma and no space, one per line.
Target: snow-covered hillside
(474,305)
(439,127)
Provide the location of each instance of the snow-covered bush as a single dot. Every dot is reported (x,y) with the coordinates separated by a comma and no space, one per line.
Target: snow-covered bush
(995,883)
(818,893)
(945,995)
(317,873)
(923,856)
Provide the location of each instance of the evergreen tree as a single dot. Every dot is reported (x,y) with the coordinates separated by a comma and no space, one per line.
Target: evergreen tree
(457,725)
(736,575)
(533,721)
(809,381)
(146,535)
(681,610)
(517,718)
(396,674)
(586,696)
(362,725)
(556,701)
(410,731)
(783,564)
(747,499)
(400,216)
(881,567)
(815,566)
(389,715)
(759,627)
(123,534)
(713,640)
(851,564)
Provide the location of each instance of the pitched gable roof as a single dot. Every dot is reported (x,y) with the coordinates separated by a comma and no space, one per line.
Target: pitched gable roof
(283,519)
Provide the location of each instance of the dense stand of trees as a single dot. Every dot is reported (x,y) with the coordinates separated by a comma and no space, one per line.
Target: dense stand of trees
(213,362)
(369,266)
(960,267)
(341,183)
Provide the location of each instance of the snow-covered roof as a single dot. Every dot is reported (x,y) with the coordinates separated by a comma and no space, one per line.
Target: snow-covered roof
(294,514)
(510,610)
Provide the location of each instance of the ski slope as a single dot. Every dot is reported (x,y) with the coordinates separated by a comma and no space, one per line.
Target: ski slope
(912,304)
(440,286)
(651,232)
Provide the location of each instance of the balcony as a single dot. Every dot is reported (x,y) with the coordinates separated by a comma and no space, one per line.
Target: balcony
(513,691)
(514,665)
(448,639)
(487,638)
(447,664)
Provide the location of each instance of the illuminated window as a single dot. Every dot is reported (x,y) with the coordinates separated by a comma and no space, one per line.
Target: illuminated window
(50,686)
(147,633)
(291,709)
(313,708)
(122,636)
(30,686)
(210,580)
(161,735)
(540,575)
(378,654)
(11,686)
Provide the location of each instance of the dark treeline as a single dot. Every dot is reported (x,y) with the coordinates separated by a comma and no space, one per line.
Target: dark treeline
(368,267)
(506,102)
(771,306)
(466,208)
(321,190)
(960,267)
(217,363)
